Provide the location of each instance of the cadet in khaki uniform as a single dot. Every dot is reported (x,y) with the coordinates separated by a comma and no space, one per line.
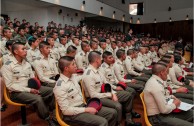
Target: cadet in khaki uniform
(121,73)
(71,51)
(179,70)
(108,72)
(139,66)
(16,74)
(8,55)
(76,43)
(63,46)
(93,80)
(21,35)
(33,52)
(7,35)
(130,68)
(102,46)
(158,110)
(54,52)
(178,91)
(45,66)
(69,97)
(154,57)
(81,58)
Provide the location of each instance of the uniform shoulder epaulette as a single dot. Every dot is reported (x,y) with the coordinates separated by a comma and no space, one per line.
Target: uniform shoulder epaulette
(38,58)
(8,62)
(59,82)
(103,65)
(88,72)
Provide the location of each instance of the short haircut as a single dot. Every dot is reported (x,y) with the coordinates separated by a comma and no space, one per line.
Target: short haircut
(64,61)
(84,44)
(70,49)
(93,55)
(43,44)
(120,53)
(130,51)
(21,28)
(177,58)
(15,46)
(48,37)
(157,68)
(9,43)
(5,29)
(106,53)
(31,40)
(164,61)
(92,43)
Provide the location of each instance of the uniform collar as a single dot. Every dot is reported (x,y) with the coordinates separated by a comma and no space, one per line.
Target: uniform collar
(16,62)
(119,61)
(92,68)
(105,65)
(64,78)
(158,79)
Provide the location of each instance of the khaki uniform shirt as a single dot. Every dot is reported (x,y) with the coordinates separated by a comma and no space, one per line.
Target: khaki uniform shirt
(173,77)
(32,55)
(119,71)
(155,97)
(68,95)
(92,81)
(108,72)
(154,57)
(54,53)
(62,50)
(45,69)
(8,56)
(16,75)
(179,71)
(81,60)
(129,66)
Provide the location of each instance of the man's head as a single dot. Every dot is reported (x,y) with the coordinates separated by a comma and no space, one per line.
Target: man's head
(71,51)
(76,41)
(108,57)
(85,46)
(121,54)
(160,70)
(178,59)
(142,50)
(94,58)
(21,31)
(67,65)
(18,49)
(44,48)
(50,40)
(63,39)
(113,45)
(130,52)
(7,32)
(9,44)
(93,45)
(32,41)
(103,45)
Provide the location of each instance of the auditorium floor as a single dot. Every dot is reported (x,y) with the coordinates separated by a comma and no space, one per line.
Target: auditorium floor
(11,117)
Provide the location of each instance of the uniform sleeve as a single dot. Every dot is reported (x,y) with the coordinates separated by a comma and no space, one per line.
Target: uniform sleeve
(173,77)
(90,85)
(128,65)
(78,60)
(160,99)
(118,74)
(7,76)
(39,71)
(138,67)
(62,99)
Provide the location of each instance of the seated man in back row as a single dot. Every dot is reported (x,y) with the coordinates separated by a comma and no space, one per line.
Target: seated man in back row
(158,109)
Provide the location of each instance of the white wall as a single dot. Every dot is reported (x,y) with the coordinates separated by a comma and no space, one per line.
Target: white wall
(159,9)
(92,6)
(42,14)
